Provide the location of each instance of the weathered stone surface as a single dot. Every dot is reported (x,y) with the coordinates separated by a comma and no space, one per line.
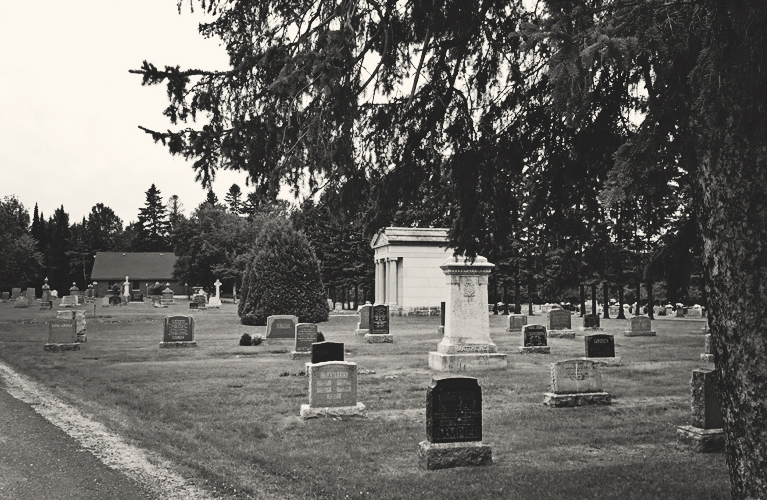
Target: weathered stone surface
(639,326)
(192,343)
(363,326)
(706,413)
(357,410)
(576,399)
(708,358)
(535,350)
(379,338)
(516,322)
(561,334)
(615,361)
(434,456)
(281,326)
(305,335)
(700,440)
(333,383)
(575,376)
(559,319)
(458,362)
(62,331)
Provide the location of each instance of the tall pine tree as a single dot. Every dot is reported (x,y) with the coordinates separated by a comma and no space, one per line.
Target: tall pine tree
(153,224)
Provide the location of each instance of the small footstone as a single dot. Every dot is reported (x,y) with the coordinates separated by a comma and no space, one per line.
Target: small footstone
(708,358)
(535,350)
(576,399)
(561,334)
(701,440)
(379,339)
(61,347)
(192,343)
(434,456)
(357,410)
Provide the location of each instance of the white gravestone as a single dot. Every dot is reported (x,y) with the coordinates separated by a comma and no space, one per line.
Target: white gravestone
(576,382)
(216,301)
(467,342)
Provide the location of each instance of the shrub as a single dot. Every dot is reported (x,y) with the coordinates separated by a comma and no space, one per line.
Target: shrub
(246,339)
(282,277)
(320,337)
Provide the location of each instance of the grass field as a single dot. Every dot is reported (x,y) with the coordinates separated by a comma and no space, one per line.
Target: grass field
(228,415)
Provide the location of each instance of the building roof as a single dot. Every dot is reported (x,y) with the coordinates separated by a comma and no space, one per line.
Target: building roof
(410,236)
(136,265)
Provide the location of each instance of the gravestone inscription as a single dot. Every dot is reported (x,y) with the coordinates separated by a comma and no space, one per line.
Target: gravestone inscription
(534,336)
(454,410)
(379,320)
(600,346)
(333,384)
(559,319)
(178,329)
(576,382)
(306,335)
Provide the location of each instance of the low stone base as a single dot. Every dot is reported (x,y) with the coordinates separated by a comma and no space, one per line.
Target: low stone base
(166,302)
(616,361)
(159,306)
(300,354)
(700,440)
(334,411)
(708,358)
(648,333)
(561,334)
(441,330)
(593,329)
(435,456)
(576,399)
(542,349)
(458,362)
(191,343)
(82,338)
(361,332)
(386,338)
(61,347)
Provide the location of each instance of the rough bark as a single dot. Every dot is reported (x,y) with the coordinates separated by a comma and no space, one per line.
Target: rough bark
(621,314)
(583,300)
(605,300)
(732,129)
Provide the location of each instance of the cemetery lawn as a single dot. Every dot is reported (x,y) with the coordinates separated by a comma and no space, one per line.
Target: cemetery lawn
(228,415)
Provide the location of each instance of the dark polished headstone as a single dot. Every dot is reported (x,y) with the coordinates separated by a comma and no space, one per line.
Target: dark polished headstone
(379,320)
(600,346)
(178,329)
(454,410)
(534,336)
(327,351)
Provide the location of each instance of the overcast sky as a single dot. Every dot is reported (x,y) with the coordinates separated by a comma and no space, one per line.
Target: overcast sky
(69,109)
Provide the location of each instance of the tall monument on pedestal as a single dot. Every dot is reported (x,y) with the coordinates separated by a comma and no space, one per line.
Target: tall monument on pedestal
(467,342)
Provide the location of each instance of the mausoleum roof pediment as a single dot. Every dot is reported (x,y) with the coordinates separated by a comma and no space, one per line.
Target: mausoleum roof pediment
(410,236)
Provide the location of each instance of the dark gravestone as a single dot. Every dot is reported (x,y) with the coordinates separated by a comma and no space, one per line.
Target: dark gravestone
(379,320)
(600,346)
(194,305)
(454,410)
(591,321)
(534,336)
(137,297)
(178,329)
(306,335)
(327,351)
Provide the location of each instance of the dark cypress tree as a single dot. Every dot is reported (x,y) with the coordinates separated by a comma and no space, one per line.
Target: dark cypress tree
(153,221)
(283,277)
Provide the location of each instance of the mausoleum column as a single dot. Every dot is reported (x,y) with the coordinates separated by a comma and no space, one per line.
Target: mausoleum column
(380,282)
(391,280)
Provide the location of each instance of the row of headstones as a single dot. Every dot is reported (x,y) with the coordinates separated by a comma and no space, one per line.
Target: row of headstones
(559,324)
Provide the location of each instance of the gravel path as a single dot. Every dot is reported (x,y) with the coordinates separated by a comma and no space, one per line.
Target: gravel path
(39,461)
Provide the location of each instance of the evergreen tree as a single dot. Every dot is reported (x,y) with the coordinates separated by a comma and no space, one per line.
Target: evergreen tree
(234,199)
(103,229)
(211,198)
(60,242)
(282,277)
(20,262)
(153,224)
(175,212)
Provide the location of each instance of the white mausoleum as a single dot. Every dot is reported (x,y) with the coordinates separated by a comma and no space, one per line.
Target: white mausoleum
(408,277)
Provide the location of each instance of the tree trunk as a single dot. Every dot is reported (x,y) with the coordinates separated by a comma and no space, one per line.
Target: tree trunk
(605,308)
(530,297)
(638,309)
(517,298)
(621,314)
(732,127)
(594,299)
(650,305)
(583,300)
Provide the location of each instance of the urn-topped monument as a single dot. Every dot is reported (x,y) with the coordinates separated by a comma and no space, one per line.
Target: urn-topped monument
(466,342)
